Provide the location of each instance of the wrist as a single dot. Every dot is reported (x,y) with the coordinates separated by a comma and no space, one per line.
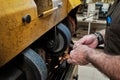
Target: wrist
(91,58)
(95,55)
(99,38)
(90,54)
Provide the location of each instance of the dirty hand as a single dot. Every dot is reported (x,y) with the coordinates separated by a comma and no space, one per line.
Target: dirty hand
(79,55)
(89,40)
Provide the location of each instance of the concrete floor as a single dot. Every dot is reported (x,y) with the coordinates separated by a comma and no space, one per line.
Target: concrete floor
(89,72)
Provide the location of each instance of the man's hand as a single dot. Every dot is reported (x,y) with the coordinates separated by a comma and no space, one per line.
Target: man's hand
(89,40)
(79,55)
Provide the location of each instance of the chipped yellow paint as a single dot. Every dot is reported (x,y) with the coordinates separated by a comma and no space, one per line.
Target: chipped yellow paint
(15,36)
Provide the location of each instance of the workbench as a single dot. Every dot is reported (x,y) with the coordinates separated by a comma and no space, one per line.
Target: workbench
(89,21)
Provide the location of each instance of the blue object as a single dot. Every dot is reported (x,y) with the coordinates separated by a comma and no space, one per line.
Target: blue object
(109,20)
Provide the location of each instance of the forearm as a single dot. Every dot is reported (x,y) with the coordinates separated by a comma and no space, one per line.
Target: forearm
(109,65)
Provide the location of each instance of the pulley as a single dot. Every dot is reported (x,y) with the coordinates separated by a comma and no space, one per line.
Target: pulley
(59,41)
(26,66)
(32,65)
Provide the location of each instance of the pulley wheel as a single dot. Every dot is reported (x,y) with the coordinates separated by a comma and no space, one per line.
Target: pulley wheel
(61,40)
(32,65)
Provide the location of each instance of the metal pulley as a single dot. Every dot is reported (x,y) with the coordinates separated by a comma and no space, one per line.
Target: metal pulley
(27,66)
(32,65)
(60,41)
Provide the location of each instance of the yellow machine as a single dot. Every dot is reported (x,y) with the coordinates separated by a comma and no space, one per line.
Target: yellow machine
(28,30)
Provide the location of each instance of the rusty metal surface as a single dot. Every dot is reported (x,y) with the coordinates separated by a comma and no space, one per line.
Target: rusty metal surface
(15,35)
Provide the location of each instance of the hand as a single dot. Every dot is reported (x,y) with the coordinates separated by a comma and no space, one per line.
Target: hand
(89,40)
(80,54)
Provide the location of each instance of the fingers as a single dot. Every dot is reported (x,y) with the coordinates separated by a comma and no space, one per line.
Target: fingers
(78,55)
(71,61)
(74,62)
(89,40)
(72,57)
(80,42)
